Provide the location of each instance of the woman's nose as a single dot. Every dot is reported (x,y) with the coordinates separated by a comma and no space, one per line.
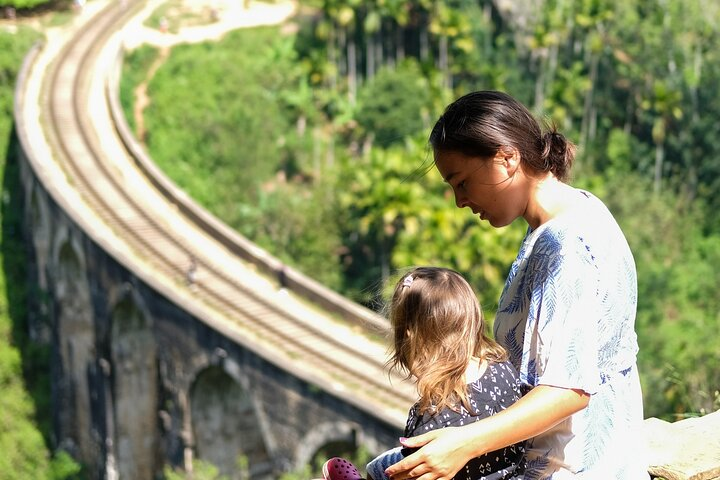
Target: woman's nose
(460,200)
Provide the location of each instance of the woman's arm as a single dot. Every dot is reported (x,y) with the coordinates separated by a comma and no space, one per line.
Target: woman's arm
(445,451)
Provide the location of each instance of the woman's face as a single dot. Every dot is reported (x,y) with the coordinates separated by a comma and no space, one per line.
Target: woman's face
(487,186)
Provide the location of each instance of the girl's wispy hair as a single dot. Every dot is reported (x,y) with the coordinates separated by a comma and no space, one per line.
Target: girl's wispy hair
(438,326)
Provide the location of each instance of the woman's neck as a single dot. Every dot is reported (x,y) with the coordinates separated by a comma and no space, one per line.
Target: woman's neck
(549,198)
(475,369)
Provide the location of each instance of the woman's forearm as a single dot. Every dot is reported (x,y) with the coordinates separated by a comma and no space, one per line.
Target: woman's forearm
(539,410)
(446,450)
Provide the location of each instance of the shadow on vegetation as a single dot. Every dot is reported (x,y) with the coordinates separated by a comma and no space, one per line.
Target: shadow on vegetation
(15,258)
(40,10)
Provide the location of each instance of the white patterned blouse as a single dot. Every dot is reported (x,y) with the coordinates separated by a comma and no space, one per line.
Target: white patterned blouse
(567,316)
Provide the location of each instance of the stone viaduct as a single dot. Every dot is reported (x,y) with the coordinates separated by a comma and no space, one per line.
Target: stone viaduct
(155,361)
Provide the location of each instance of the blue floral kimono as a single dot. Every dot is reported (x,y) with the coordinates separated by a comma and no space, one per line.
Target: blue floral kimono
(567,317)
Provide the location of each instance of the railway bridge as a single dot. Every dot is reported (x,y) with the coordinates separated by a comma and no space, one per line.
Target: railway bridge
(173,337)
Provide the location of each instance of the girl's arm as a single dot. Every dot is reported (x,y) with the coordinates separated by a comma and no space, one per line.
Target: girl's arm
(445,451)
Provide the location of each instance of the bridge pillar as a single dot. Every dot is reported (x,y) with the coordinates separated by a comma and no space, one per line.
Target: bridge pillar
(133,364)
(74,348)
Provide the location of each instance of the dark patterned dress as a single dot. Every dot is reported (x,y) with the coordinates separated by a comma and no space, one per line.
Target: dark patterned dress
(494,391)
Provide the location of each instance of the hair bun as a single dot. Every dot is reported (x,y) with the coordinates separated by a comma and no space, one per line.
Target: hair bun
(557,153)
(551,138)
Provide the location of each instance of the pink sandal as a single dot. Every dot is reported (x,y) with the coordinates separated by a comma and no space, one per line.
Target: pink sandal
(340,469)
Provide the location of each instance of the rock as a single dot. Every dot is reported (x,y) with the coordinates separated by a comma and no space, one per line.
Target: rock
(685,450)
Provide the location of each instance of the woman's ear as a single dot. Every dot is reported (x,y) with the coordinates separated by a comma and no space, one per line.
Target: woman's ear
(509,157)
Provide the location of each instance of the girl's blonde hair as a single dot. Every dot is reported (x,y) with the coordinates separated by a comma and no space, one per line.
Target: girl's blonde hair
(438,326)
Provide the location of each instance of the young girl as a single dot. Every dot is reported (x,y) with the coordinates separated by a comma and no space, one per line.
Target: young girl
(462,375)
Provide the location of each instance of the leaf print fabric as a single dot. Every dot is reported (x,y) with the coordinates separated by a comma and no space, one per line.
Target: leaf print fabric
(567,316)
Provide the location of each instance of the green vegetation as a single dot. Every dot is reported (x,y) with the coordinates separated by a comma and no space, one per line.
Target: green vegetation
(313,145)
(240,116)
(358,456)
(394,104)
(24,366)
(140,62)
(200,471)
(233,119)
(27,3)
(177,14)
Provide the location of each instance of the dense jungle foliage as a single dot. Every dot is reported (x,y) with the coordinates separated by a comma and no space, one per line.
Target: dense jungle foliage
(313,144)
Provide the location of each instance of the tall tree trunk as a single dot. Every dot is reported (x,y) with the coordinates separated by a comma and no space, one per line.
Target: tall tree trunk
(399,44)
(379,57)
(540,85)
(330,157)
(697,71)
(352,69)
(424,40)
(389,45)
(588,103)
(444,61)
(316,152)
(384,262)
(487,38)
(659,158)
(552,65)
(629,108)
(369,55)
(342,46)
(332,57)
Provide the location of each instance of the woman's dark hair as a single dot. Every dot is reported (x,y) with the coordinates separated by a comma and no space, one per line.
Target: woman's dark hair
(480,123)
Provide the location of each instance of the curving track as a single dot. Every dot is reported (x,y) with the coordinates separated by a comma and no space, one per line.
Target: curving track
(159,236)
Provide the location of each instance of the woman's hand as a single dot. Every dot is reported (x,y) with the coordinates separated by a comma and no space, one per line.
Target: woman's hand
(444,452)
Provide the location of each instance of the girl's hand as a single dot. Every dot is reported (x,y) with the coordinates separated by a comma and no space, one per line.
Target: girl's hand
(444,452)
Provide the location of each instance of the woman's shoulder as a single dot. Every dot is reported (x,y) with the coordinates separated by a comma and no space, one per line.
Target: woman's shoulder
(588,228)
(587,215)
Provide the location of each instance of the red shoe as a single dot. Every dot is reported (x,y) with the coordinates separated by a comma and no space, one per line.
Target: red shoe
(340,469)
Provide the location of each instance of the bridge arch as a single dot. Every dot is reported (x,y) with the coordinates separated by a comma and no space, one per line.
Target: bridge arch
(226,425)
(132,349)
(325,436)
(75,348)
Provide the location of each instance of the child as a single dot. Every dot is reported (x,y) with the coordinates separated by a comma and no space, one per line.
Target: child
(462,375)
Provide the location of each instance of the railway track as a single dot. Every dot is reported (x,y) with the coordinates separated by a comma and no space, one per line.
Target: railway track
(341,357)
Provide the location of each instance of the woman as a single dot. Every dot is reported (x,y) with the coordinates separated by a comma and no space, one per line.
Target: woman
(567,311)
